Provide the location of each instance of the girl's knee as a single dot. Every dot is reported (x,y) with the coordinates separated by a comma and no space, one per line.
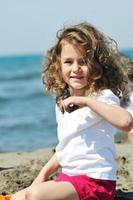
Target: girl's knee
(31,194)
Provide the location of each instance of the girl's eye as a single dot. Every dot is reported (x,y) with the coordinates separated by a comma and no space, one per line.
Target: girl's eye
(82,62)
(68,62)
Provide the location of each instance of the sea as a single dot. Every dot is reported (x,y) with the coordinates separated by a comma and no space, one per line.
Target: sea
(27,112)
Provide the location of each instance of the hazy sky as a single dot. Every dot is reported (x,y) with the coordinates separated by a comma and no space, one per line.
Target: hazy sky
(29,26)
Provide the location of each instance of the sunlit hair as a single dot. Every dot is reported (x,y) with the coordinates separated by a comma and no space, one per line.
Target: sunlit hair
(100,54)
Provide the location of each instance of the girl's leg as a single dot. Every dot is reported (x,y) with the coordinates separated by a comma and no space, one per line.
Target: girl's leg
(52,190)
(19,195)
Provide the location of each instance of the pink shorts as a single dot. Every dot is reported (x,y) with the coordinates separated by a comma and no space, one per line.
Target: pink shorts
(90,188)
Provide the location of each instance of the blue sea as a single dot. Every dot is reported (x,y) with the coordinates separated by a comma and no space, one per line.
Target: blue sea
(27,112)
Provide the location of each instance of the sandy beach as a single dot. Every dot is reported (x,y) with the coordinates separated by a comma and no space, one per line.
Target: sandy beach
(17,170)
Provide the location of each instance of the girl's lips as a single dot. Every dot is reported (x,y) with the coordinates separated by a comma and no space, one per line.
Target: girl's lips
(76,77)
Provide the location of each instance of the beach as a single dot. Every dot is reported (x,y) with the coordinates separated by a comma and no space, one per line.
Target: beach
(18,169)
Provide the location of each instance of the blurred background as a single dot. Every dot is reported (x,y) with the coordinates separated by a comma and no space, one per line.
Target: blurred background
(27,31)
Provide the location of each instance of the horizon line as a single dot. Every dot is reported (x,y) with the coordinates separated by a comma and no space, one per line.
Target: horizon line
(42,54)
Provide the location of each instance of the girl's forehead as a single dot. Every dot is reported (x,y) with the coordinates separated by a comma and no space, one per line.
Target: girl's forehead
(68,48)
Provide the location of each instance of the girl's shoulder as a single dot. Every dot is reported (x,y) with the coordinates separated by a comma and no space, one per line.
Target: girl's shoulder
(108,96)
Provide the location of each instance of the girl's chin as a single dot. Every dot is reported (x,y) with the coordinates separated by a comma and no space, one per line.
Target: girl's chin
(77,90)
(77,86)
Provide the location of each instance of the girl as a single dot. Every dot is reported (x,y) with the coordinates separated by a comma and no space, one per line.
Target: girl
(82,71)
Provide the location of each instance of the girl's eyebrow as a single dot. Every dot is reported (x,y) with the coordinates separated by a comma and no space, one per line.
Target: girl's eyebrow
(67,58)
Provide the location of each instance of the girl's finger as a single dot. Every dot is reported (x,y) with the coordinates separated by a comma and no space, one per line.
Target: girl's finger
(61,106)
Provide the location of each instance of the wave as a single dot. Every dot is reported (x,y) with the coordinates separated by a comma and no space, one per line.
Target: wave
(36,95)
(17,58)
(4,99)
(31,96)
(20,77)
(20,68)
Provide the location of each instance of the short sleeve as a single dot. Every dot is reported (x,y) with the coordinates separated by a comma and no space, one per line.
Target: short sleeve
(109,97)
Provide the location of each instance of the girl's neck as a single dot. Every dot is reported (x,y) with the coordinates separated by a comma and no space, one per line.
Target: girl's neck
(77,92)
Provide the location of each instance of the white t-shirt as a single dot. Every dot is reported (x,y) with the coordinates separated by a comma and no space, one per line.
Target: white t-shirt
(86,141)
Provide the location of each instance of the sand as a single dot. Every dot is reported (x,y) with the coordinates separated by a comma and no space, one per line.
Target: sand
(18,170)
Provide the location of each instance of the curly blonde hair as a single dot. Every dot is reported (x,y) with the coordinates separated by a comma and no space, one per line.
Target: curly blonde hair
(100,53)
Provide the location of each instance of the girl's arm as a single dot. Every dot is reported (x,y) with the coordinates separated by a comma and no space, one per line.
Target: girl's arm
(51,166)
(114,114)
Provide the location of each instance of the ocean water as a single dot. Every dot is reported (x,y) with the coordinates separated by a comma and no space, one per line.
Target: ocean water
(27,117)
(27,112)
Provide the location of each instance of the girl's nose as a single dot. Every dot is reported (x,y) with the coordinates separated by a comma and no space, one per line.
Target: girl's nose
(76,67)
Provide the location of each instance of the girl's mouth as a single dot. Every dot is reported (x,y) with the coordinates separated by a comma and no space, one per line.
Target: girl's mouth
(76,77)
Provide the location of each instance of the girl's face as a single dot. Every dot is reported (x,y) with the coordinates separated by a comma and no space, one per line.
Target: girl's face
(74,69)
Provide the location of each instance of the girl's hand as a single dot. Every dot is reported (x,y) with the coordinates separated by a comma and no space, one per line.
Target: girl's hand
(70,102)
(50,167)
(38,179)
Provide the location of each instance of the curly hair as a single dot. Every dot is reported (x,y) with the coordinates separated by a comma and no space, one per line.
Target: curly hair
(100,54)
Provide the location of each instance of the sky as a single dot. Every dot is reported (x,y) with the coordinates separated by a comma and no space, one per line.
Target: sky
(30,26)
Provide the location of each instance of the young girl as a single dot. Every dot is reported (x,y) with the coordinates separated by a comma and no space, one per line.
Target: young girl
(82,71)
